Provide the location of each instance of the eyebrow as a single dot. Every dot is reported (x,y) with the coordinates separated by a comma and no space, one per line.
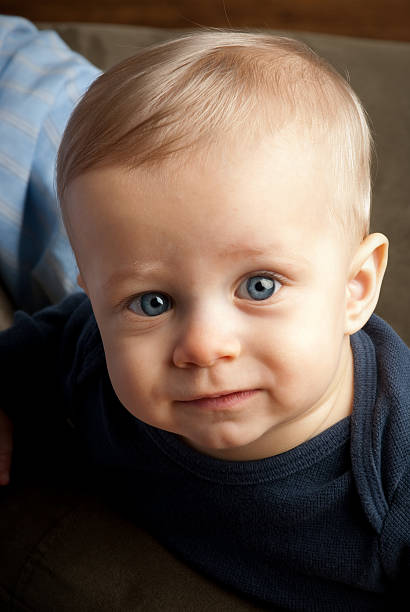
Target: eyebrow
(234,251)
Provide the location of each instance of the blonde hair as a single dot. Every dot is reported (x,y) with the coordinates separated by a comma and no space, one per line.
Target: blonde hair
(178,96)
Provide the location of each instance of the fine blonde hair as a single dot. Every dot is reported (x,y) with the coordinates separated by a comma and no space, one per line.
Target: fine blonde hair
(172,98)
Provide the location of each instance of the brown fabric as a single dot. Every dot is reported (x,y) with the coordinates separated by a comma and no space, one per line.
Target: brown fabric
(64,550)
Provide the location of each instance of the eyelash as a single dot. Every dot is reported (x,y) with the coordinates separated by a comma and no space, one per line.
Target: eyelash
(274,277)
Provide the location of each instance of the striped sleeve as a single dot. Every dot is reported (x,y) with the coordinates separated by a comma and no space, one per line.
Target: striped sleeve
(41,80)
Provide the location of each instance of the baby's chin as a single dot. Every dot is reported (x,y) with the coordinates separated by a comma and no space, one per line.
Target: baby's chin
(232,444)
(235,441)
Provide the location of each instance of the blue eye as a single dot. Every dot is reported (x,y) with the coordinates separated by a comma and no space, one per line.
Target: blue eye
(150,304)
(261,287)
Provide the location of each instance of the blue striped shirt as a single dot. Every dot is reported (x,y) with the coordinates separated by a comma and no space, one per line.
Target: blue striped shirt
(41,80)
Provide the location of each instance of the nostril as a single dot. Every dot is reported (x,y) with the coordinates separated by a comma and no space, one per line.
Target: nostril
(205,351)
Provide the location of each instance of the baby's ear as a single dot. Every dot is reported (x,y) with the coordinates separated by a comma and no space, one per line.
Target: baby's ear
(365,278)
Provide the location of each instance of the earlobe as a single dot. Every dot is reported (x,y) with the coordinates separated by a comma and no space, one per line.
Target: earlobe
(365,279)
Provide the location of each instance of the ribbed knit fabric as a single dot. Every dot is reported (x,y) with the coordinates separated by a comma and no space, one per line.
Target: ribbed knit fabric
(324,526)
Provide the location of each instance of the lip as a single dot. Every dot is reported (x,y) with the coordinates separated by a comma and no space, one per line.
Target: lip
(223,400)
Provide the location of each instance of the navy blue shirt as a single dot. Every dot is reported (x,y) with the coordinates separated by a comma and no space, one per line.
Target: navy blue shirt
(324,526)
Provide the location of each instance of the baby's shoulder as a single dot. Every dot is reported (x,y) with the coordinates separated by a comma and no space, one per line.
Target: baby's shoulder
(393,359)
(380,424)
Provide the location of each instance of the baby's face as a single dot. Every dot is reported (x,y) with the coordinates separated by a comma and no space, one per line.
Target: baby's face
(221,277)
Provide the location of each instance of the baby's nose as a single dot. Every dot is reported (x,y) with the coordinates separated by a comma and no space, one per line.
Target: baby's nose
(202,343)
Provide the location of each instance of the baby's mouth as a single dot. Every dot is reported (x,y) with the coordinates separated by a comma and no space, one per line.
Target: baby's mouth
(222,401)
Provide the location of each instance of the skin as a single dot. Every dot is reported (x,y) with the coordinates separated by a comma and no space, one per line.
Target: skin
(182,233)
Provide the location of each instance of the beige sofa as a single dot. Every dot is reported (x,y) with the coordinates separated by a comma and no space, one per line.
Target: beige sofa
(63,549)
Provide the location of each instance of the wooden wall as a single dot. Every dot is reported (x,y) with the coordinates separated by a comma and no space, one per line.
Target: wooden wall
(386,19)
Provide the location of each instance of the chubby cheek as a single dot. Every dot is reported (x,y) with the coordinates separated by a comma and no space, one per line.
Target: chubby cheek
(303,359)
(135,378)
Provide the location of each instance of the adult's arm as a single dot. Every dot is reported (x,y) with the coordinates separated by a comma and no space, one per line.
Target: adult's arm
(41,80)
(36,353)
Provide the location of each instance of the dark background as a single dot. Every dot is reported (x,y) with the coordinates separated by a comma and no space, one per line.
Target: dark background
(384,19)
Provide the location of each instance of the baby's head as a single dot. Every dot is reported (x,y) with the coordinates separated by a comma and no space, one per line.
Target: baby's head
(213,89)
(216,191)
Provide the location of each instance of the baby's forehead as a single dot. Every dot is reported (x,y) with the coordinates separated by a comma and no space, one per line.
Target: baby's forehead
(218,221)
(227,176)
(241,181)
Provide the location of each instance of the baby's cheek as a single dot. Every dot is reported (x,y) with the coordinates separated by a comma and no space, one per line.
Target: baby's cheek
(300,365)
(123,374)
(137,382)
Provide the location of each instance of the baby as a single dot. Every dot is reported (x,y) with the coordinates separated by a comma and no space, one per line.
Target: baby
(224,358)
